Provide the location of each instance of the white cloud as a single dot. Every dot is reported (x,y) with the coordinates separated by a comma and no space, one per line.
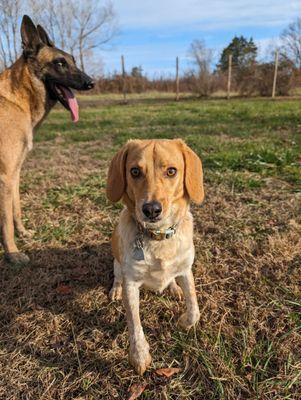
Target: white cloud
(267,46)
(205,14)
(154,32)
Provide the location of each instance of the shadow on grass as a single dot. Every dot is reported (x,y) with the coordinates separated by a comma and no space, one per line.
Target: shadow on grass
(55,310)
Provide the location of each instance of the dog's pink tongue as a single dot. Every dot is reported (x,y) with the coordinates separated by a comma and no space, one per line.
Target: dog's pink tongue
(72,102)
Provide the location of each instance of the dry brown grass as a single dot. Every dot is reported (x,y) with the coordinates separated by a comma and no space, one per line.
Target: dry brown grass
(72,344)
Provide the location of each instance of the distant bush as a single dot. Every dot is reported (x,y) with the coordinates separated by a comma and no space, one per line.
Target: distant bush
(258,80)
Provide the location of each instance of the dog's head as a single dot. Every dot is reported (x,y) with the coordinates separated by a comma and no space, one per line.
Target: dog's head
(56,68)
(156,180)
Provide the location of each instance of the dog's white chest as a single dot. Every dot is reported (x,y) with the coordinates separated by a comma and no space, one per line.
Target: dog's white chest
(29,142)
(157,270)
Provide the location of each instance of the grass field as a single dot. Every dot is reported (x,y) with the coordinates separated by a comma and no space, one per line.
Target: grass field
(60,337)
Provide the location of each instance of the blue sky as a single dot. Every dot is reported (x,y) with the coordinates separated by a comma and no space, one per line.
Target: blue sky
(153,32)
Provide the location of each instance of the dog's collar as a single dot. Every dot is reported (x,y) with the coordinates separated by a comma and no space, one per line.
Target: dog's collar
(158,234)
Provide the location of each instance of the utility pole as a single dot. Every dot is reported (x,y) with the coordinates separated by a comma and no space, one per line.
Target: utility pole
(177,80)
(229,76)
(124,79)
(275,74)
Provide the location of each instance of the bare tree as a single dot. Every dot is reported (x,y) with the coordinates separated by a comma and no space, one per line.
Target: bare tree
(202,58)
(78,27)
(91,21)
(10,12)
(57,17)
(201,55)
(291,38)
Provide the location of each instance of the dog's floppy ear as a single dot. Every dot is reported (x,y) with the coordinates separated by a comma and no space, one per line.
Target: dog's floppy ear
(193,178)
(116,182)
(30,38)
(44,36)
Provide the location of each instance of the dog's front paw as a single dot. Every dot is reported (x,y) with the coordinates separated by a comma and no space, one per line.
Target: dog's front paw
(17,259)
(175,290)
(140,358)
(187,321)
(116,292)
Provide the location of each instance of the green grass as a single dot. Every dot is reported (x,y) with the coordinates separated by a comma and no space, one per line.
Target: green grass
(247,268)
(246,136)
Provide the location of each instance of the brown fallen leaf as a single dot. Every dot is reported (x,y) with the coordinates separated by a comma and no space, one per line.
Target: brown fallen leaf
(167,372)
(136,390)
(63,289)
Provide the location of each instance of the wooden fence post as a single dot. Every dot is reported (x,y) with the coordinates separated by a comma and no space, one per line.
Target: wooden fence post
(229,76)
(124,79)
(177,79)
(275,74)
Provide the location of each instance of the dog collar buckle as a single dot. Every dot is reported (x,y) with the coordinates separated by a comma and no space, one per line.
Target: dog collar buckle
(170,232)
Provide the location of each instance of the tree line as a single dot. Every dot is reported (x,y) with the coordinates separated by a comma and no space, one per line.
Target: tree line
(82,28)
(250,76)
(79,27)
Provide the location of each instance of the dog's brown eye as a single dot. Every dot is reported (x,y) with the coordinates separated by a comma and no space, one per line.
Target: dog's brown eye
(135,172)
(171,171)
(60,62)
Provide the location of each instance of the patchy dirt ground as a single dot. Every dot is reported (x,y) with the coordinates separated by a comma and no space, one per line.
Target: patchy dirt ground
(61,338)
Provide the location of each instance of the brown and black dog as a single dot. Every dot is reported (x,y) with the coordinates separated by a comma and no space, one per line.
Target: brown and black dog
(28,90)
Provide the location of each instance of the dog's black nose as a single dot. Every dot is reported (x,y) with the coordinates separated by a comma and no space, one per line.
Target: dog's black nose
(152,209)
(89,84)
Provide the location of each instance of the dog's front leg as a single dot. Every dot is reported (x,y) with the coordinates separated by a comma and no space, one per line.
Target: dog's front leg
(12,253)
(139,355)
(192,314)
(17,209)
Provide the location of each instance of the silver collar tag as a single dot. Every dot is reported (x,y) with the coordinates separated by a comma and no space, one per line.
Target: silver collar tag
(138,252)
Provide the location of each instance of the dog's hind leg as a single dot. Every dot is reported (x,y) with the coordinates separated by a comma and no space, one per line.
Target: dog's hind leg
(175,290)
(116,290)
(192,314)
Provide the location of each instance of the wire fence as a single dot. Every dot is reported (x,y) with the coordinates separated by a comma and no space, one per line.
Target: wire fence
(269,79)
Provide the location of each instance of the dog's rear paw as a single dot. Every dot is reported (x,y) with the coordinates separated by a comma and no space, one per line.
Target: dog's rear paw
(140,359)
(17,259)
(175,290)
(116,292)
(188,321)
(25,233)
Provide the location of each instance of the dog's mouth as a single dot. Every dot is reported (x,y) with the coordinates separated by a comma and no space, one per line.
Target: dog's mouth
(151,223)
(153,220)
(67,99)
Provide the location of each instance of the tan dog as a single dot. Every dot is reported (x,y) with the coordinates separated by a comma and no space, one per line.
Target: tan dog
(153,242)
(28,91)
